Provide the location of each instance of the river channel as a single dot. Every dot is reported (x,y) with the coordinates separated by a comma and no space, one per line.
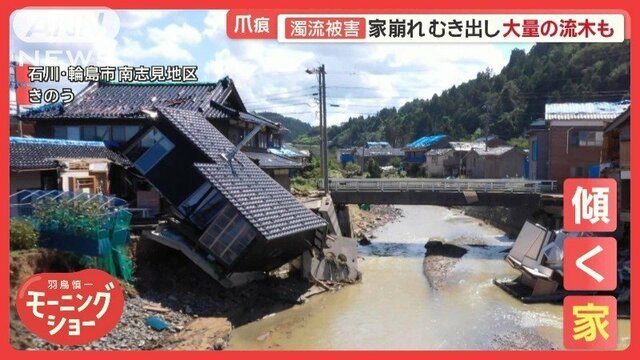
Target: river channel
(395,308)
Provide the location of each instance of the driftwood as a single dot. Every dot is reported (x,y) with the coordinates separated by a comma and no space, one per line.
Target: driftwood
(156,308)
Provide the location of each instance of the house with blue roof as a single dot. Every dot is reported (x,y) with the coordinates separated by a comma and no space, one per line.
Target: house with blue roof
(567,143)
(415,152)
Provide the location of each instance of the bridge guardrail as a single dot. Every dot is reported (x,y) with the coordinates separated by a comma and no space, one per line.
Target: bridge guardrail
(478,185)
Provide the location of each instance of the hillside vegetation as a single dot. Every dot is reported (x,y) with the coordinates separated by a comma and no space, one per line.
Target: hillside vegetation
(509,99)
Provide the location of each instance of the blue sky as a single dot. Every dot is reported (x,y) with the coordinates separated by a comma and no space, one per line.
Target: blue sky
(361,78)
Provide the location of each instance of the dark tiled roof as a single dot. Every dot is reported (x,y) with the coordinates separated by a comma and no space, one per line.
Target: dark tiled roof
(33,153)
(271,161)
(271,209)
(126,100)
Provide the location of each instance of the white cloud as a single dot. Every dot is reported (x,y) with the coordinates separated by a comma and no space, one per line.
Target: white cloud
(134,19)
(361,78)
(168,43)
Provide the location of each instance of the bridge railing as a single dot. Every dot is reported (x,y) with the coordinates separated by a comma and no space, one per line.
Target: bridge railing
(478,185)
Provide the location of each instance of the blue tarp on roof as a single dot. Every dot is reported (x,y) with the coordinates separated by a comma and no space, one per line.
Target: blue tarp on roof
(426,141)
(44,141)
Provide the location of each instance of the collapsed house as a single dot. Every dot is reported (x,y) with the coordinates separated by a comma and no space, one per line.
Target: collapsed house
(228,214)
(538,254)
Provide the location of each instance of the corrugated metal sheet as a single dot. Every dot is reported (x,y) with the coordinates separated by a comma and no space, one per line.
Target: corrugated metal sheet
(465,146)
(271,161)
(585,111)
(493,151)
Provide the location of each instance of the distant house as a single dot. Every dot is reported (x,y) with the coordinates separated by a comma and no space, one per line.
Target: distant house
(77,166)
(455,165)
(346,156)
(380,151)
(440,162)
(226,205)
(495,163)
(115,113)
(572,136)
(616,160)
(415,152)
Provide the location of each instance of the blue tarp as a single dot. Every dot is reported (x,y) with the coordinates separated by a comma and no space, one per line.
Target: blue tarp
(43,141)
(426,141)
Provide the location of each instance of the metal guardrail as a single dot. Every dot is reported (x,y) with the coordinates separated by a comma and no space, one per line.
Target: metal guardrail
(478,185)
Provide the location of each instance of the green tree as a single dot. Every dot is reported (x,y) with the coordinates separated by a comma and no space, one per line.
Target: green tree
(351,169)
(395,161)
(372,168)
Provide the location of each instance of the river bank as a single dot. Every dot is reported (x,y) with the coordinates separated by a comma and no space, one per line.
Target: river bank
(395,307)
(200,314)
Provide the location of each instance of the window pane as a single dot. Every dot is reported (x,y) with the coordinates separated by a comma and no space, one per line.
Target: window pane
(118,134)
(89,133)
(190,203)
(73,133)
(152,156)
(131,131)
(103,132)
(59,132)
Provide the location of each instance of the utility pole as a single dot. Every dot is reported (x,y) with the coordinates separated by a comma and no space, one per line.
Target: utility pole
(325,141)
(488,109)
(322,99)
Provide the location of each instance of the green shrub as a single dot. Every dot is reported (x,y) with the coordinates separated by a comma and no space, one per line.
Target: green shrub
(22,235)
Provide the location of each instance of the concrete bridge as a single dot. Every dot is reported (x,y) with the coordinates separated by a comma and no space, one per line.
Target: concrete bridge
(444,192)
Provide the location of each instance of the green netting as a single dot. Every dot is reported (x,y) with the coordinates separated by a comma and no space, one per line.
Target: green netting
(122,263)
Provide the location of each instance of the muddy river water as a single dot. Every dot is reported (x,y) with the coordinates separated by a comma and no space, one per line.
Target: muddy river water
(395,308)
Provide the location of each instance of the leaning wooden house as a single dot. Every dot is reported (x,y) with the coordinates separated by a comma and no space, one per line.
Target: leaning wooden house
(225,203)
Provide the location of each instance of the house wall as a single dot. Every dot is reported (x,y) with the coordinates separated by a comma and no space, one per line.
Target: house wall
(24,180)
(510,164)
(281,176)
(435,164)
(539,155)
(474,166)
(573,161)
